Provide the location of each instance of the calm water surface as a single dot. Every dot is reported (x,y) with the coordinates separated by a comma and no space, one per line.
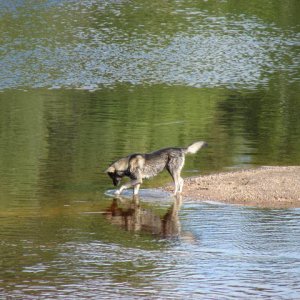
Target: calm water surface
(85,82)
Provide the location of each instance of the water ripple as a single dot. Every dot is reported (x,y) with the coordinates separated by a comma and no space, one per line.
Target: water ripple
(235,251)
(210,51)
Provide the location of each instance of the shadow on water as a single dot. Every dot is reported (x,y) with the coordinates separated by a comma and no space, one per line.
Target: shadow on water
(130,215)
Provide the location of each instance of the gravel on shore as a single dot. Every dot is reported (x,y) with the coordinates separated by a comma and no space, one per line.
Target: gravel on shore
(268,187)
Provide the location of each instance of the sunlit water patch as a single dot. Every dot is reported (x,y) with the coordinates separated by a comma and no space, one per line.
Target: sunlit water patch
(89,45)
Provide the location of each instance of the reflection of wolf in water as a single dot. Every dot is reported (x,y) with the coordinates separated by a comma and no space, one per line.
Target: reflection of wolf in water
(140,166)
(134,218)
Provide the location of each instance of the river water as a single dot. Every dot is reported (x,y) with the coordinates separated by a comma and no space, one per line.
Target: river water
(83,83)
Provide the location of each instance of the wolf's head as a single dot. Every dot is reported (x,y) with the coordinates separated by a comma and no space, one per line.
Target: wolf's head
(116,176)
(117,170)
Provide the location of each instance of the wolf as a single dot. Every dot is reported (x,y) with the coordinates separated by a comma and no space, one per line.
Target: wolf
(139,166)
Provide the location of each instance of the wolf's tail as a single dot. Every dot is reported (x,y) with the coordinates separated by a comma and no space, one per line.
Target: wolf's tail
(195,147)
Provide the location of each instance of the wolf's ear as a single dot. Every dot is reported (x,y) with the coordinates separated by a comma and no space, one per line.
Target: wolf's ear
(110,169)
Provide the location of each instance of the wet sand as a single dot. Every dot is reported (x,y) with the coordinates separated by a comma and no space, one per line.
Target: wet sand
(269,187)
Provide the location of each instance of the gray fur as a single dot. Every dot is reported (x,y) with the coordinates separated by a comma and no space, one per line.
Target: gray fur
(140,166)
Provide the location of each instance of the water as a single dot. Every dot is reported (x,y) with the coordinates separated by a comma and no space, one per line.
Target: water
(88,45)
(85,82)
(209,250)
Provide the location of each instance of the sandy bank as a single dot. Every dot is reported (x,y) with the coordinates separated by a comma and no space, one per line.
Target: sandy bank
(274,187)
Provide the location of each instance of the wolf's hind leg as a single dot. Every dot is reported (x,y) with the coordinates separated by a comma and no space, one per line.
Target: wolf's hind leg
(178,182)
(181,182)
(174,167)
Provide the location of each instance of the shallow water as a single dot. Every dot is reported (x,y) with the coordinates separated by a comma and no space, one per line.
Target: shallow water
(83,250)
(83,83)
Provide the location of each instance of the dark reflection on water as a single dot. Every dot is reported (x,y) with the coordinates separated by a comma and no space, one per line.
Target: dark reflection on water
(131,216)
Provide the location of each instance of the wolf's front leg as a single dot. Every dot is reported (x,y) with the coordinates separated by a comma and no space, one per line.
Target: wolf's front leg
(133,183)
(123,187)
(136,189)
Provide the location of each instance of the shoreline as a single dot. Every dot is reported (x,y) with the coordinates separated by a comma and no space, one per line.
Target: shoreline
(264,187)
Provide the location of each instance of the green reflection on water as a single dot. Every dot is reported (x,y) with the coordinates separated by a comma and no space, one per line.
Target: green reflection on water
(59,142)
